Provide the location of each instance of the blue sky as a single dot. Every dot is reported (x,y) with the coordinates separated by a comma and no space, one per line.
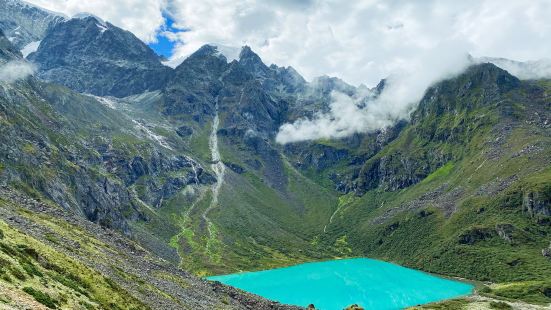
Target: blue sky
(164,46)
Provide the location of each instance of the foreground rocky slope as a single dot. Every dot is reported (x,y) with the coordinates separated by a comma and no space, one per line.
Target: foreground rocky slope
(65,261)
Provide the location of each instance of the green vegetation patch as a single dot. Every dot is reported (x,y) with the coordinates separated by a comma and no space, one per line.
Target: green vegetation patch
(41,297)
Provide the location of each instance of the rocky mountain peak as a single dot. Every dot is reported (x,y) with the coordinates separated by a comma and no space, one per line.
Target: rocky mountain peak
(488,75)
(205,51)
(247,55)
(326,84)
(207,60)
(252,62)
(93,56)
(380,87)
(24,23)
(478,86)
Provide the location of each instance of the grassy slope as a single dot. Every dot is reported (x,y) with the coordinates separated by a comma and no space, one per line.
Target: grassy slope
(54,279)
(258,225)
(481,188)
(66,262)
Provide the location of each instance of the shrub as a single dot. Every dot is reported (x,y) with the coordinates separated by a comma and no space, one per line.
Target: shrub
(31,269)
(18,274)
(41,297)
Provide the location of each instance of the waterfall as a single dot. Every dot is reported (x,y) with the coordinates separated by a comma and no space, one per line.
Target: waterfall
(219,170)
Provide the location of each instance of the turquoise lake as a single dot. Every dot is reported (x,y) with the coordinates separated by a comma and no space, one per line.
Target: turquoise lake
(333,285)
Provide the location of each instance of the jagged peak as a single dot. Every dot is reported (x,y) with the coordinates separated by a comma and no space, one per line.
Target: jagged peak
(206,50)
(489,73)
(252,62)
(380,87)
(206,53)
(247,53)
(90,19)
(248,57)
(85,16)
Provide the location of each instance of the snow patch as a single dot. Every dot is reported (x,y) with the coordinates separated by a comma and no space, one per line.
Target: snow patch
(151,135)
(108,102)
(30,48)
(102,28)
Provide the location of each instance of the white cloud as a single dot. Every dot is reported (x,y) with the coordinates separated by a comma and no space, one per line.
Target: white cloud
(403,90)
(415,43)
(528,70)
(358,41)
(15,70)
(142,17)
(364,41)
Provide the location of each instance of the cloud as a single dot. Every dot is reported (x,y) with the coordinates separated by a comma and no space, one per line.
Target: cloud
(414,43)
(529,70)
(402,91)
(359,41)
(15,70)
(364,41)
(144,18)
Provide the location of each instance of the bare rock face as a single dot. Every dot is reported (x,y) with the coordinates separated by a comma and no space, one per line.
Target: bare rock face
(24,23)
(537,204)
(7,50)
(92,56)
(505,232)
(547,252)
(475,235)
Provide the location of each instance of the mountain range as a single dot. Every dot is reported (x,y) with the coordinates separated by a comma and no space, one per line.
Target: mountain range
(122,179)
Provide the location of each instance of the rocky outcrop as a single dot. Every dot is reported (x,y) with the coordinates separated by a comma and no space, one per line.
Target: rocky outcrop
(475,235)
(7,50)
(547,251)
(505,232)
(396,171)
(315,156)
(537,204)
